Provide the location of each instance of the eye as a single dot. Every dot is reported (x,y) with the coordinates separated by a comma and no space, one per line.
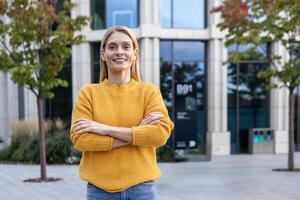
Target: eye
(111,47)
(126,46)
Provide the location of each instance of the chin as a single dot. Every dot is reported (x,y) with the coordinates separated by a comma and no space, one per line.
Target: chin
(119,68)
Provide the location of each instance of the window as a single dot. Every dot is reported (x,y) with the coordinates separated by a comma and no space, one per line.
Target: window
(247,96)
(183,63)
(183,14)
(294,53)
(61,105)
(108,13)
(95,62)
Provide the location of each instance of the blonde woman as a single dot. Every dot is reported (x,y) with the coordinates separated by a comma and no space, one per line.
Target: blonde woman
(118,124)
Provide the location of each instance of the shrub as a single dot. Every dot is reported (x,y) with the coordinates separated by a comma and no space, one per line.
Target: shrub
(58,147)
(25,144)
(166,154)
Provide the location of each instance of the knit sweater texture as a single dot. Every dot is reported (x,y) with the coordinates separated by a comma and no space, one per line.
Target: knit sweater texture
(117,169)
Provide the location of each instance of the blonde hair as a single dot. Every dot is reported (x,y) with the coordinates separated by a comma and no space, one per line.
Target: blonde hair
(134,71)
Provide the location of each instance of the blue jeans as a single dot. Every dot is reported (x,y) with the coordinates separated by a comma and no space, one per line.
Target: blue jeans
(143,191)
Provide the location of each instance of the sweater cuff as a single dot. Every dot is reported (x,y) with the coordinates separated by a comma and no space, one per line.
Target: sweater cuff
(146,135)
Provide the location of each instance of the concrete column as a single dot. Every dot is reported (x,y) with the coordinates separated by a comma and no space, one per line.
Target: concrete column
(81,67)
(30,105)
(149,41)
(149,60)
(9,107)
(218,138)
(279,107)
(81,54)
(4,131)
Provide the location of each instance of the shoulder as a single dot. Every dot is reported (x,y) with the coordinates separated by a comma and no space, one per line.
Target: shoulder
(149,87)
(86,91)
(87,88)
(149,90)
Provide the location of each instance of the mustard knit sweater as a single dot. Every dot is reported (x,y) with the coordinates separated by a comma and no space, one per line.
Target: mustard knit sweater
(117,169)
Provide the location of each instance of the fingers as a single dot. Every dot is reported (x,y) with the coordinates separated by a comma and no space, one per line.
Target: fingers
(80,124)
(80,120)
(155,122)
(82,131)
(78,128)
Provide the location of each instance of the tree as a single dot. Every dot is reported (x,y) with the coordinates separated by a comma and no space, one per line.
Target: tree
(35,42)
(260,22)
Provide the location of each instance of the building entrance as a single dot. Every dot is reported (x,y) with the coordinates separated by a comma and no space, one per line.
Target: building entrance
(247,99)
(182,75)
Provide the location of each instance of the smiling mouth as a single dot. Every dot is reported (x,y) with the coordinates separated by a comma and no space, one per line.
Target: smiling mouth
(119,60)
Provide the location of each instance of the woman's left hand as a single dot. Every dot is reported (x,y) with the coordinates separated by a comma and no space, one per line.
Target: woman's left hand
(82,125)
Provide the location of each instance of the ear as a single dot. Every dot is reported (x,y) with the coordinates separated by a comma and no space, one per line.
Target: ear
(102,55)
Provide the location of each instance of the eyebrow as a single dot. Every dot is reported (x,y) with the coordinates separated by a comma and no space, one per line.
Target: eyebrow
(125,42)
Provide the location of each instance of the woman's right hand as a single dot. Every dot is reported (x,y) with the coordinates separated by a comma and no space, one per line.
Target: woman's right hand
(152,118)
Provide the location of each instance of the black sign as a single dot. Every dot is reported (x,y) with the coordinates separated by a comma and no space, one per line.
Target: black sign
(185,116)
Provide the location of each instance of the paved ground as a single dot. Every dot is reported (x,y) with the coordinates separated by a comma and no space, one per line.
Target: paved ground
(237,177)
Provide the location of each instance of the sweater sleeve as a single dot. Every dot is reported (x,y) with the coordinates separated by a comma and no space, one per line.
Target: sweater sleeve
(153,135)
(87,141)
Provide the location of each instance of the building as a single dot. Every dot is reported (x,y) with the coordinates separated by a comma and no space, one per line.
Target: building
(182,52)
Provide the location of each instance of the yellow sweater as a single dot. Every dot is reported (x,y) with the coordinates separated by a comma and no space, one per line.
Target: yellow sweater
(123,106)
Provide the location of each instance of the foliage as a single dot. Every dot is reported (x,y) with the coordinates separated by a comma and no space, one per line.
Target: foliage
(35,42)
(259,22)
(22,128)
(166,154)
(24,146)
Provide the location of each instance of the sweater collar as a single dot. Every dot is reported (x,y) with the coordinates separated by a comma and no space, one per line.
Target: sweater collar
(131,83)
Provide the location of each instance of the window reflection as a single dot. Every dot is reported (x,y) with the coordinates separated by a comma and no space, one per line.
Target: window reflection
(95,50)
(184,62)
(108,13)
(188,14)
(165,13)
(297,118)
(182,14)
(247,96)
(97,12)
(295,54)
(61,105)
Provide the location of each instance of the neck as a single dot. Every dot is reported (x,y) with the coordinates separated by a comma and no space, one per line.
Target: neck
(119,78)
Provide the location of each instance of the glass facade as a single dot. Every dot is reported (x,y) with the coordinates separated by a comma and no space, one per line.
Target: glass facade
(108,13)
(183,14)
(184,62)
(61,105)
(297,118)
(295,53)
(95,51)
(248,98)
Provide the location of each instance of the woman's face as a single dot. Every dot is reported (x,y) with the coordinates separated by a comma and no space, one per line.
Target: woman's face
(119,52)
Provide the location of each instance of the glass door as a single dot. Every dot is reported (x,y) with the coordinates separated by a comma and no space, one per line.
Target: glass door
(247,100)
(182,75)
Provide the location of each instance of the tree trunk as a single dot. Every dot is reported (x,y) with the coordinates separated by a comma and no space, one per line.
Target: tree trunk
(291,132)
(42,138)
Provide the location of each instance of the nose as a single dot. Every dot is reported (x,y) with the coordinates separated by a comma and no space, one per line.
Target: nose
(119,51)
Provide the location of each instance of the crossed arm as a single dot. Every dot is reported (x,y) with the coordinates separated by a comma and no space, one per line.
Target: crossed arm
(88,135)
(121,136)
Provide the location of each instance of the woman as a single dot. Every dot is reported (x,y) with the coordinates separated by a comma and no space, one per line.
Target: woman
(118,124)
